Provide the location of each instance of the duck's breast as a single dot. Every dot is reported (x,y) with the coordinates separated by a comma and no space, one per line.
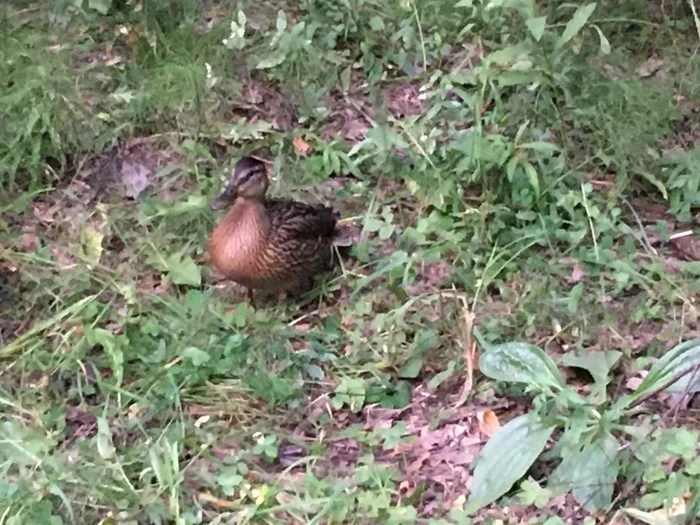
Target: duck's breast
(236,245)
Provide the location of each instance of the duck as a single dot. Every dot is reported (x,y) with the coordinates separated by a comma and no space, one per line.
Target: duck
(271,245)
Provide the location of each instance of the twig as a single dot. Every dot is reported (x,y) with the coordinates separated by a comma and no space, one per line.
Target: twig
(645,238)
(469,348)
(695,16)
(680,235)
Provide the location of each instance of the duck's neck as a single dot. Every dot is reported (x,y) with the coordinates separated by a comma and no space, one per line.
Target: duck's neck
(246,217)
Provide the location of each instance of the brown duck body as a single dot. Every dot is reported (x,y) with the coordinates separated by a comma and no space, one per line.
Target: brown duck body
(273,245)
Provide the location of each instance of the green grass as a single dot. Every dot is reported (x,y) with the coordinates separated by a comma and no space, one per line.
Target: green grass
(530,181)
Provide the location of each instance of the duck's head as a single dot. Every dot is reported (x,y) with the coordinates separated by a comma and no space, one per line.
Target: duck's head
(248,180)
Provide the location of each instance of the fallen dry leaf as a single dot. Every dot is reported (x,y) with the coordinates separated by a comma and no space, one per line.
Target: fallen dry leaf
(63,257)
(488,422)
(216,502)
(28,242)
(686,243)
(301,146)
(136,178)
(650,66)
(577,273)
(633,382)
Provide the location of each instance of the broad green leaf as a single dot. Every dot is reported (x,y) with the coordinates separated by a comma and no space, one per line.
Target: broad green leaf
(386,231)
(236,40)
(513,163)
(595,473)
(692,268)
(197,356)
(345,79)
(91,244)
(521,363)
(598,364)
(506,457)
(315,372)
(560,479)
(540,146)
(183,271)
(350,392)
(411,368)
(281,23)
(506,57)
(532,177)
(401,515)
(112,347)
(101,6)
(372,224)
(105,448)
(577,22)
(274,60)
(604,44)
(21,445)
(536,26)
(682,442)
(531,492)
(376,23)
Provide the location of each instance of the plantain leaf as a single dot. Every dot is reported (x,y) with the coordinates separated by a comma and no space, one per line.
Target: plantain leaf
(521,363)
(506,457)
(595,473)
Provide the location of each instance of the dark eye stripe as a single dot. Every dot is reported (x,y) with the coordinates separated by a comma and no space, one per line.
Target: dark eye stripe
(247,176)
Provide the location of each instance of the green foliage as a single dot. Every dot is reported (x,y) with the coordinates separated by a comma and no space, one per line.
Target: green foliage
(507,176)
(44,112)
(590,454)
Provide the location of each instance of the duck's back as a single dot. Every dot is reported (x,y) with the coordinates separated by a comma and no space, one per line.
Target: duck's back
(291,219)
(299,239)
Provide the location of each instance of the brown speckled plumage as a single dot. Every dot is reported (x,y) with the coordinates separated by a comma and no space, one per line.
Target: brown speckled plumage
(272,245)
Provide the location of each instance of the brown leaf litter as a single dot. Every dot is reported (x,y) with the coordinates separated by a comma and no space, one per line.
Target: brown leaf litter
(650,66)
(128,170)
(263,101)
(80,422)
(404,100)
(350,118)
(436,452)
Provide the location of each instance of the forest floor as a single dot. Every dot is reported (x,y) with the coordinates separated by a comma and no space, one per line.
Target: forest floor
(526,178)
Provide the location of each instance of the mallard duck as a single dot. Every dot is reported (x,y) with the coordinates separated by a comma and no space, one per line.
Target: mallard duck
(271,245)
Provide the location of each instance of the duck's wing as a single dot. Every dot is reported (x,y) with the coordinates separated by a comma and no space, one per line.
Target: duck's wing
(293,219)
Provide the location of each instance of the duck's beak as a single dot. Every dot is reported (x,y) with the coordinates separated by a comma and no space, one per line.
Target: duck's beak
(224,199)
